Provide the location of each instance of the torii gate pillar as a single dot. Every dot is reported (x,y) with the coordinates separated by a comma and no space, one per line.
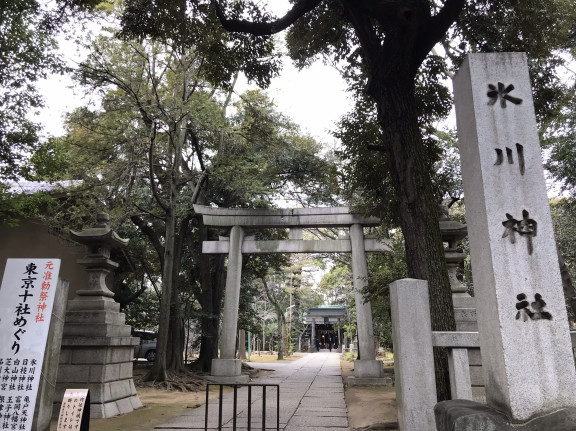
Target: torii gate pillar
(367,367)
(227,368)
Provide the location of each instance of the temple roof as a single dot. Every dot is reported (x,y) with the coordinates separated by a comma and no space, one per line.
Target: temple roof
(326,311)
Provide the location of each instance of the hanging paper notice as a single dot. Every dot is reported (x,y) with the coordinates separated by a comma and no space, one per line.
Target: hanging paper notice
(75,411)
(26,300)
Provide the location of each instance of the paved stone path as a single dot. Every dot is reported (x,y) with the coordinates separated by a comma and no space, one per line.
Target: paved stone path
(311,398)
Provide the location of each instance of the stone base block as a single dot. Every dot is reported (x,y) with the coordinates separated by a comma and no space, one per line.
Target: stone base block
(230,380)
(107,400)
(226,367)
(100,393)
(465,415)
(97,355)
(95,316)
(368,368)
(114,408)
(479,394)
(96,330)
(466,326)
(463,301)
(367,381)
(93,303)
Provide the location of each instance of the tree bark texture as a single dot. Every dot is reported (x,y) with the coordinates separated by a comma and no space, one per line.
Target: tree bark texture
(280,334)
(212,279)
(158,370)
(176,335)
(242,344)
(419,212)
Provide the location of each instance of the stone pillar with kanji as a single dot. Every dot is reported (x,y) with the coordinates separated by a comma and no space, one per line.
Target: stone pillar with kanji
(523,327)
(97,346)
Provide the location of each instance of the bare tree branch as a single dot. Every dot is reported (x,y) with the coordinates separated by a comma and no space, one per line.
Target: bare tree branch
(435,28)
(266,28)
(153,184)
(152,235)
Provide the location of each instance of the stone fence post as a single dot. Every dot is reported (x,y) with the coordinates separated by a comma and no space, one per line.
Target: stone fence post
(413,355)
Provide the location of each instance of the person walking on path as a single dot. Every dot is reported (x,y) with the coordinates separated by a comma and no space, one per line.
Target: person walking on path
(317,342)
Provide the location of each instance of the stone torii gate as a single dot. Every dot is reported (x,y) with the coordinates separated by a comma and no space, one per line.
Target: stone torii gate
(227,368)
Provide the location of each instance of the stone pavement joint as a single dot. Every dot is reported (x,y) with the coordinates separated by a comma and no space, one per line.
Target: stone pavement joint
(311,398)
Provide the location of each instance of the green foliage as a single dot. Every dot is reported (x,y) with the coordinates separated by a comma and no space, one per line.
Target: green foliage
(27,53)
(350,357)
(160,142)
(337,285)
(560,138)
(322,33)
(541,28)
(16,206)
(50,162)
(385,268)
(365,171)
(144,312)
(194,23)
(267,157)
(564,219)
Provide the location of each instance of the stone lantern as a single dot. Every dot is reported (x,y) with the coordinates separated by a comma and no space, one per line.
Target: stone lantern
(464,305)
(452,232)
(97,346)
(100,241)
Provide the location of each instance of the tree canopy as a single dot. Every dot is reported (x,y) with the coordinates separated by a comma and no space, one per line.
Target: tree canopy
(27,54)
(396,57)
(386,49)
(162,140)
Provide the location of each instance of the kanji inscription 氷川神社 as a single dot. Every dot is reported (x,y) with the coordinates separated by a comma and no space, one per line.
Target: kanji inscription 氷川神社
(501,92)
(513,251)
(536,313)
(510,157)
(526,227)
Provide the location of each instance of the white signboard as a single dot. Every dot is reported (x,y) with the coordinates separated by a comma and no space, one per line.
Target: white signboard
(72,414)
(26,300)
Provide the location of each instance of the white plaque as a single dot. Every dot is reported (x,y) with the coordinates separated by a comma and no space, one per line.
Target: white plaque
(26,300)
(72,415)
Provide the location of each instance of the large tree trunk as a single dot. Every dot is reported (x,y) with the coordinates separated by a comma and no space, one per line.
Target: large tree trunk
(418,209)
(242,344)
(176,335)
(212,274)
(158,370)
(280,334)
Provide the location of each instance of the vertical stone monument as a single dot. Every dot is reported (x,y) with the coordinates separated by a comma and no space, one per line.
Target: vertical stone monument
(97,348)
(524,337)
